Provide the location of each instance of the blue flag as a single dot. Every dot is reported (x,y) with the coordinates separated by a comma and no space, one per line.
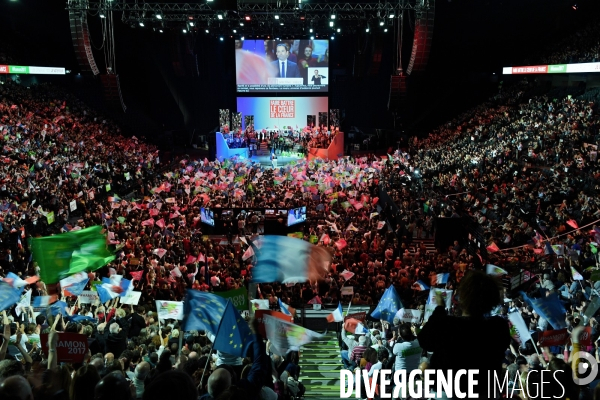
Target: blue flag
(388,305)
(550,308)
(283,308)
(76,288)
(8,295)
(234,335)
(202,311)
(60,307)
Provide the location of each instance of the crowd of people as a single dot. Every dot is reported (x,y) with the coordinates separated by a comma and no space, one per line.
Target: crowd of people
(523,166)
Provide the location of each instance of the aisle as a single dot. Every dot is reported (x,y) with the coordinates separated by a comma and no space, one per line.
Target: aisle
(320,364)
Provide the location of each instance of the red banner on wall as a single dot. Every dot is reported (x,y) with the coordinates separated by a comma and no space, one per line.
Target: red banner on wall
(3,69)
(70,348)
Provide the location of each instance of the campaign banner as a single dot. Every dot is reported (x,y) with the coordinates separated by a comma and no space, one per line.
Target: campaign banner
(169,309)
(260,304)
(18,69)
(553,338)
(3,69)
(260,317)
(70,348)
(552,69)
(285,336)
(347,291)
(89,297)
(359,316)
(407,315)
(238,297)
(132,298)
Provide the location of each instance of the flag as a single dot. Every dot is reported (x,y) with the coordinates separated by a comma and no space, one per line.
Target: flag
(388,305)
(518,329)
(202,311)
(114,199)
(576,275)
(136,275)
(420,285)
(248,253)
(550,308)
(315,300)
(347,274)
(8,295)
(380,225)
(495,270)
(161,223)
(60,307)
(354,326)
(68,253)
(492,248)
(573,224)
(74,284)
(285,336)
(283,308)
(259,304)
(302,261)
(336,315)
(440,279)
(113,287)
(148,222)
(233,333)
(43,301)
(340,244)
(16,282)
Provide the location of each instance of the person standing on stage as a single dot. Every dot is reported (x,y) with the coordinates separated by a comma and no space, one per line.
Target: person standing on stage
(273,160)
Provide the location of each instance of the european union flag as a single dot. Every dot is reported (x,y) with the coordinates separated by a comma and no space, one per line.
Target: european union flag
(388,305)
(234,335)
(8,295)
(550,308)
(203,311)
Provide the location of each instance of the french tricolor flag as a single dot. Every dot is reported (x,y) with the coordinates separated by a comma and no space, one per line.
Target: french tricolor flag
(286,309)
(420,285)
(336,315)
(440,279)
(113,287)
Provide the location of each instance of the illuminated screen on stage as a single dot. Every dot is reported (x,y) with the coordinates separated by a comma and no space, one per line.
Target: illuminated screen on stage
(264,66)
(281,112)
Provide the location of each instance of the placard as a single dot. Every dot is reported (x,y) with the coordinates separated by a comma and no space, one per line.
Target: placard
(73,205)
(70,348)
(407,315)
(359,316)
(169,309)
(89,297)
(316,306)
(553,338)
(132,298)
(347,291)
(238,297)
(259,316)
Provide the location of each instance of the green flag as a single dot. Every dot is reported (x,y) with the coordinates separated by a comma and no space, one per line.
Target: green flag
(68,253)
(238,297)
(50,217)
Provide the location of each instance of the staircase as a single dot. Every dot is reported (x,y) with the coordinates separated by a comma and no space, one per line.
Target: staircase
(320,364)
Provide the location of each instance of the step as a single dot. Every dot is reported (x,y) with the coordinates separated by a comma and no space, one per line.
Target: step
(334,382)
(312,373)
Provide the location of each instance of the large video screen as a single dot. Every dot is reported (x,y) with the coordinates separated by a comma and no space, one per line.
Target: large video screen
(207,216)
(296,216)
(264,66)
(271,112)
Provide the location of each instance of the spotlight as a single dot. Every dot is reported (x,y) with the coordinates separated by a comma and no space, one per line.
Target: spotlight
(102,15)
(281,23)
(381,23)
(392,15)
(221,38)
(339,30)
(385,30)
(191,23)
(367,30)
(234,31)
(276,16)
(220,16)
(241,24)
(160,30)
(312,38)
(247,18)
(206,31)
(311,30)
(158,16)
(332,16)
(184,30)
(331,24)
(242,38)
(332,37)
(575,7)
(141,24)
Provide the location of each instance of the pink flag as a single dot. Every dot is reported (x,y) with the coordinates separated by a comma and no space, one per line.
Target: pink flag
(325,239)
(190,259)
(159,252)
(201,258)
(153,212)
(175,272)
(492,248)
(248,253)
(573,224)
(340,244)
(161,223)
(136,275)
(346,274)
(148,222)
(315,300)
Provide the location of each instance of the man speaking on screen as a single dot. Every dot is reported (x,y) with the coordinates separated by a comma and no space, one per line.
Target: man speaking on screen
(285,68)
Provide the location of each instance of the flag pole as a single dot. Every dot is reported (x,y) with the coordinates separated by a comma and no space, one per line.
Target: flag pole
(212,347)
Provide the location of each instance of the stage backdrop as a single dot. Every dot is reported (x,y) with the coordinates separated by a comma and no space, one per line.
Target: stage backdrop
(277,112)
